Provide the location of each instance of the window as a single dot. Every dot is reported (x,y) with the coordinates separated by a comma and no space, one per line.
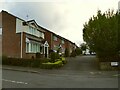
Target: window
(43,35)
(63,42)
(55,38)
(32,47)
(27,47)
(35,32)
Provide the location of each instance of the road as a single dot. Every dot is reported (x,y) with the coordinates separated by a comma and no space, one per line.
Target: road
(79,72)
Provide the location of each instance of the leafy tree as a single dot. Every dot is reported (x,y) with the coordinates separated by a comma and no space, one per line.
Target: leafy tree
(78,51)
(101,34)
(83,46)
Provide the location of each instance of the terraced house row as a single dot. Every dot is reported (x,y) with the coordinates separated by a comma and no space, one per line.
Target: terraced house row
(23,39)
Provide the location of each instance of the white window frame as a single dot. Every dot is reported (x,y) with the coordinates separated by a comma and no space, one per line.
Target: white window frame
(63,41)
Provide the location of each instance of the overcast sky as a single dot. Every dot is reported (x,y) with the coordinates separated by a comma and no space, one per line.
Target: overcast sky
(64,17)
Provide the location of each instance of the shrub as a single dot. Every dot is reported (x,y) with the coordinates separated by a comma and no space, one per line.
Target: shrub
(38,55)
(78,51)
(24,62)
(35,63)
(73,54)
(109,59)
(63,60)
(54,56)
(50,65)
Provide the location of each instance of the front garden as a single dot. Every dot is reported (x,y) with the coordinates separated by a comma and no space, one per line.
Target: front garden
(55,61)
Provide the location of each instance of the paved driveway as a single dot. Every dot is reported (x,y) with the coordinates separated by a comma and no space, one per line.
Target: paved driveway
(82,63)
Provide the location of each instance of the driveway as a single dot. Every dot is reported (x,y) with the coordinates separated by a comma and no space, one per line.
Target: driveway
(81,63)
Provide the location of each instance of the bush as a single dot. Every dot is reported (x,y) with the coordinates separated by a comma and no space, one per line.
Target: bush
(73,54)
(42,63)
(63,60)
(50,65)
(38,55)
(54,56)
(23,62)
(109,59)
(78,51)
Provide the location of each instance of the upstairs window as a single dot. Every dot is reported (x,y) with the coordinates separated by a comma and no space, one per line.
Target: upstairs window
(55,38)
(41,34)
(62,42)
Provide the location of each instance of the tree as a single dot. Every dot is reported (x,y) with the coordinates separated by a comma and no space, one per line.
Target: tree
(78,51)
(83,47)
(101,34)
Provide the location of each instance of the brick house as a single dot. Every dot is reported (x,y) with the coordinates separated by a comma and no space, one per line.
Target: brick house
(22,39)
(57,42)
(0,34)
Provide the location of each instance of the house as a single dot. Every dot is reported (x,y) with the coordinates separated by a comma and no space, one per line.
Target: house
(22,39)
(0,34)
(57,42)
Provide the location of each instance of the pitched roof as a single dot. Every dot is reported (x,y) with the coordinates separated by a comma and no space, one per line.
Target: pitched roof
(41,27)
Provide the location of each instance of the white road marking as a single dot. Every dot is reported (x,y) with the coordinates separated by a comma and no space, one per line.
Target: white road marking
(18,82)
(92,73)
(95,73)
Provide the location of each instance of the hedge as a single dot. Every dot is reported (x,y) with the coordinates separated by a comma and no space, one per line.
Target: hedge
(23,62)
(63,60)
(41,63)
(50,65)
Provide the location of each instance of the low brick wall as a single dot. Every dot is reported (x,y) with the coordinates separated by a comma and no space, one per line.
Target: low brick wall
(107,66)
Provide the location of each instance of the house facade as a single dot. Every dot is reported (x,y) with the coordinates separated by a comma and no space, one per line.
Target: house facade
(22,39)
(0,34)
(57,42)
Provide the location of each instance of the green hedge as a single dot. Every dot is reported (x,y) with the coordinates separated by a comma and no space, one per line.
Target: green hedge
(23,62)
(41,63)
(63,60)
(57,64)
(50,65)
(109,59)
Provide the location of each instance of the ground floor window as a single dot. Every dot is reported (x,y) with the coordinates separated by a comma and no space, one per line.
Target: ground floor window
(33,47)
(27,47)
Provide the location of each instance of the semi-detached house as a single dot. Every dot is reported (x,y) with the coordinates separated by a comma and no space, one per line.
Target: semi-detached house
(56,42)
(23,39)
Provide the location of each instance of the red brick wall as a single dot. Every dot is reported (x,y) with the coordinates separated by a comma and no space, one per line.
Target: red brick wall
(48,38)
(0,35)
(0,19)
(10,40)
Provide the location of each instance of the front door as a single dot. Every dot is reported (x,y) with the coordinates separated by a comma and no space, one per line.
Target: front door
(46,52)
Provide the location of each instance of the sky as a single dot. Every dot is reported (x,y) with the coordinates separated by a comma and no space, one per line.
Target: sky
(63,17)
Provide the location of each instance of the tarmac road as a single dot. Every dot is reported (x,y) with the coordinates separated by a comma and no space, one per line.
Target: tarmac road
(79,72)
